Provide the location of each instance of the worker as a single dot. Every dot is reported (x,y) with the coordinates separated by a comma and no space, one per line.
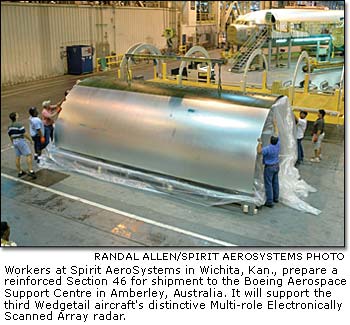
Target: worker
(318,135)
(36,129)
(301,127)
(17,134)
(271,161)
(49,115)
(5,235)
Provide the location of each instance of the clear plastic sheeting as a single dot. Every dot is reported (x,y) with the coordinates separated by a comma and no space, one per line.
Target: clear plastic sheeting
(62,160)
(292,187)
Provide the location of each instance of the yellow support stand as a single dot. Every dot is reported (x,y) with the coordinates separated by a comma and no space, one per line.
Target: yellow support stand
(242,85)
(208,74)
(306,83)
(129,74)
(336,95)
(264,80)
(178,79)
(164,70)
(155,76)
(119,74)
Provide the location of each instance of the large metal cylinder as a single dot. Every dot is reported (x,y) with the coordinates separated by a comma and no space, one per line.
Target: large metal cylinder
(238,34)
(191,134)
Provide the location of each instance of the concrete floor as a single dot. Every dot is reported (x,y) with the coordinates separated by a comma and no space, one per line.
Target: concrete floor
(77,210)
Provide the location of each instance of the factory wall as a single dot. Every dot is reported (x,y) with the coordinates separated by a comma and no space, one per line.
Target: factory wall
(34,37)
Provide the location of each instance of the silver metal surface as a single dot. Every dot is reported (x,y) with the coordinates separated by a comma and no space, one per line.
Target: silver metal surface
(206,140)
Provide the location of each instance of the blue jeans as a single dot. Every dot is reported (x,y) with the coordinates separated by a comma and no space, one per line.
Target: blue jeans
(37,145)
(271,183)
(48,134)
(300,151)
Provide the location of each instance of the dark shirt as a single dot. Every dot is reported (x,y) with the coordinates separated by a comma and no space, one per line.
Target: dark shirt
(318,125)
(16,130)
(270,153)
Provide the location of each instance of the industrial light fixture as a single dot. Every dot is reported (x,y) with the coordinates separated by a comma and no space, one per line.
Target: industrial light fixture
(301,40)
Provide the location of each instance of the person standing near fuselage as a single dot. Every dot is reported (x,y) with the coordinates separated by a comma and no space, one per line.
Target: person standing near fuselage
(18,136)
(318,135)
(36,129)
(301,127)
(271,162)
(49,115)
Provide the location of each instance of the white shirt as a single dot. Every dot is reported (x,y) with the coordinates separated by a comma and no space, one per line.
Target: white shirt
(301,127)
(35,123)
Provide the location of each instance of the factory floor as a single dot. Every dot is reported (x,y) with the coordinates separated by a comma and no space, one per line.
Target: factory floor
(70,209)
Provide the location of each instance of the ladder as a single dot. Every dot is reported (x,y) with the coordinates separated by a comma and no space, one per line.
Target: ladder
(255,41)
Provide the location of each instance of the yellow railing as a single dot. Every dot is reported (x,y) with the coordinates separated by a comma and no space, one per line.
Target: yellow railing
(311,101)
(108,62)
(183,49)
